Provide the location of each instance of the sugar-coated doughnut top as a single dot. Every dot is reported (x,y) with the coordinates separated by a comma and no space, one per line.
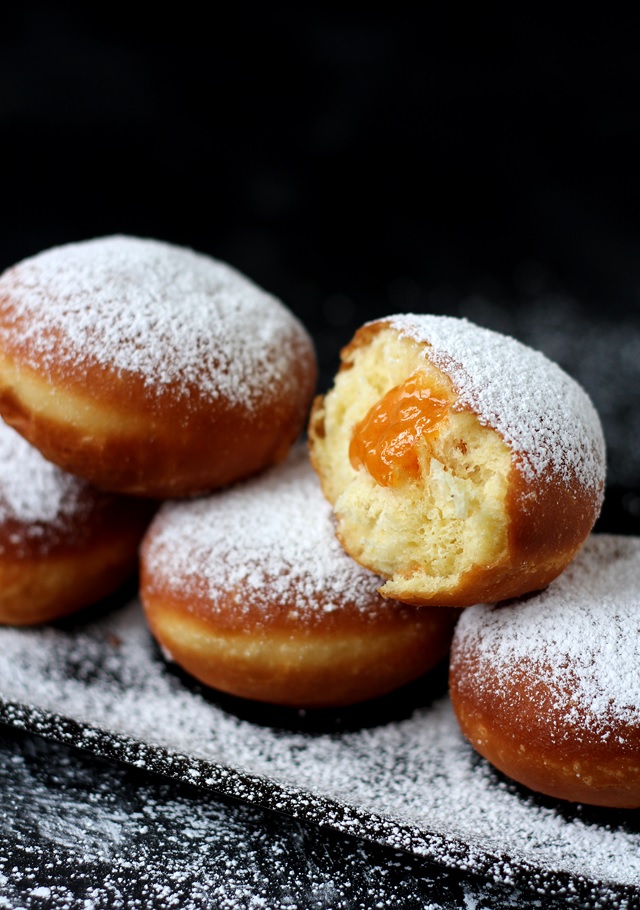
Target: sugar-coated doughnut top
(544,416)
(172,315)
(268,539)
(38,501)
(581,636)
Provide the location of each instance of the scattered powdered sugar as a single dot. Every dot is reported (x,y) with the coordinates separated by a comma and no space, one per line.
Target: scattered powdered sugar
(581,636)
(269,539)
(81,834)
(542,413)
(167,313)
(411,782)
(37,499)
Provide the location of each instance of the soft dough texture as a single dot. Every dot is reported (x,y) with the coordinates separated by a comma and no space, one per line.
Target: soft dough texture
(548,688)
(63,543)
(148,368)
(249,591)
(481,486)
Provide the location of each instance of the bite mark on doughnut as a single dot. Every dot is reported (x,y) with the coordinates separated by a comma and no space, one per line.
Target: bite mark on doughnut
(486,495)
(450,503)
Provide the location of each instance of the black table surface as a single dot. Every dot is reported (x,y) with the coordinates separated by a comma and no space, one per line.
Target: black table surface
(82,833)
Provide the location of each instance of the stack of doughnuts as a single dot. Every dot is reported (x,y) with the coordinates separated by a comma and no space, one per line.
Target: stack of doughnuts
(154,404)
(132,370)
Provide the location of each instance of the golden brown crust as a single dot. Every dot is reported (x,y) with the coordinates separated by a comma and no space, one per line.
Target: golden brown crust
(292,663)
(525,737)
(44,579)
(122,439)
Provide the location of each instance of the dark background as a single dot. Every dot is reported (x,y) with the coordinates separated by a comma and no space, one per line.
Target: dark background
(353,163)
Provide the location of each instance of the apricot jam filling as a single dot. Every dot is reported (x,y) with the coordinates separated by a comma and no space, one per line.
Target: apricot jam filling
(385,441)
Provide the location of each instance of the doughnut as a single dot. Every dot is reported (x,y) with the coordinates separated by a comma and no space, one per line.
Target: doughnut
(64,544)
(462,465)
(547,688)
(249,592)
(150,369)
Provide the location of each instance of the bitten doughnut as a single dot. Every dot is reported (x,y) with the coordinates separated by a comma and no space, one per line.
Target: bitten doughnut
(148,368)
(463,466)
(249,591)
(548,688)
(63,543)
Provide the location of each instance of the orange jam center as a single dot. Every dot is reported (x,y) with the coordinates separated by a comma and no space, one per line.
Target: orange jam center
(385,440)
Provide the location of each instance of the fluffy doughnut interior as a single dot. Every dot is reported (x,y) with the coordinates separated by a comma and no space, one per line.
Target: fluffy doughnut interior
(430,527)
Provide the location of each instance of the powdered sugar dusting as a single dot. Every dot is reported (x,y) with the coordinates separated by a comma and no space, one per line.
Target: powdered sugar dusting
(411,783)
(85,835)
(38,499)
(581,636)
(271,538)
(543,414)
(166,313)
